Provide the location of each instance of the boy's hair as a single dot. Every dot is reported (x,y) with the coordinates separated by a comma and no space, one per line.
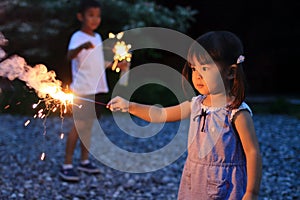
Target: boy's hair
(86,4)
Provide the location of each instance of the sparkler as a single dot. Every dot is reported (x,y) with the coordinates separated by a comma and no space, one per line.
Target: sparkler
(47,87)
(121,52)
(44,82)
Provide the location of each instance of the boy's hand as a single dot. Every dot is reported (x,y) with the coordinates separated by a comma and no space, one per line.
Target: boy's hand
(123,65)
(87,45)
(118,104)
(72,53)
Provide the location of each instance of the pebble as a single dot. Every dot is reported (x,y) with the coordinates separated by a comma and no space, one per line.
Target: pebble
(24,176)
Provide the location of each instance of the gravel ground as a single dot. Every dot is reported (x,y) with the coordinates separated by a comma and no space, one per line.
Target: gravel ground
(24,176)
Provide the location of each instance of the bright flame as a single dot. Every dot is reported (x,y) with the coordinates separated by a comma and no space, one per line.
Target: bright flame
(120,49)
(44,82)
(56,93)
(47,87)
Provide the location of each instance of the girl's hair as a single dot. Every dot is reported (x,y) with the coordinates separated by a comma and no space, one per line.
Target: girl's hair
(86,4)
(224,48)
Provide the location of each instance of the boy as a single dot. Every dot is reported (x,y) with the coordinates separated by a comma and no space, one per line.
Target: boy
(88,81)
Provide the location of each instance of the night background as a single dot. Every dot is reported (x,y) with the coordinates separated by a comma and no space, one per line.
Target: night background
(270,33)
(268,29)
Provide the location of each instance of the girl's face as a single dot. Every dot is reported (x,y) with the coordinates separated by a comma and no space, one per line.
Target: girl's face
(206,78)
(91,19)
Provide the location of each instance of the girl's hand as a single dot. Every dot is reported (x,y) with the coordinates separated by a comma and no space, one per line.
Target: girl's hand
(118,104)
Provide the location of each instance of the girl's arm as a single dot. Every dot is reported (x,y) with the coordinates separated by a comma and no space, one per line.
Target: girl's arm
(151,113)
(245,128)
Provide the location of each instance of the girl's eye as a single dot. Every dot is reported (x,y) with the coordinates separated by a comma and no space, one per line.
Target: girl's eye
(193,69)
(204,68)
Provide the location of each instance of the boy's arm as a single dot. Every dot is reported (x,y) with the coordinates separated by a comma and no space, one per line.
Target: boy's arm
(245,128)
(72,53)
(151,113)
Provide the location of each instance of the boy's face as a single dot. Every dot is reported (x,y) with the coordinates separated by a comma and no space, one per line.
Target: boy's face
(90,19)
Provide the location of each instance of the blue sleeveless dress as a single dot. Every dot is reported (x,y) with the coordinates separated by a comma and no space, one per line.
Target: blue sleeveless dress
(216,165)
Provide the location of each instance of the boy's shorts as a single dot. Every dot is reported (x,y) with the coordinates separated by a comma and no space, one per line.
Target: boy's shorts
(89,106)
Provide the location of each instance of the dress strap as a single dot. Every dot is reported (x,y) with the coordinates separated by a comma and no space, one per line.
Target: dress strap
(243,106)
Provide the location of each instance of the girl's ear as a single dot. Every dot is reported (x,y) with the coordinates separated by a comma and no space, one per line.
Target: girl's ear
(79,17)
(231,72)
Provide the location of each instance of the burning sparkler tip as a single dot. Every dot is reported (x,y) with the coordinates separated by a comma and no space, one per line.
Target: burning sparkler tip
(121,50)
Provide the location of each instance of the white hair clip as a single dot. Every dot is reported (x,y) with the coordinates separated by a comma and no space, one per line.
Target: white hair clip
(240,59)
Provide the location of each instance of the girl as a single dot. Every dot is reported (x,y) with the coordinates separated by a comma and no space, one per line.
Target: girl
(224,160)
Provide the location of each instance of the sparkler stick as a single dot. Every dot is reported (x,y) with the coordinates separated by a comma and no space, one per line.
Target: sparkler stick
(90,100)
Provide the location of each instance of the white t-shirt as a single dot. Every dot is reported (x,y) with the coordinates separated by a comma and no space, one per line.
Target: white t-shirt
(88,69)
